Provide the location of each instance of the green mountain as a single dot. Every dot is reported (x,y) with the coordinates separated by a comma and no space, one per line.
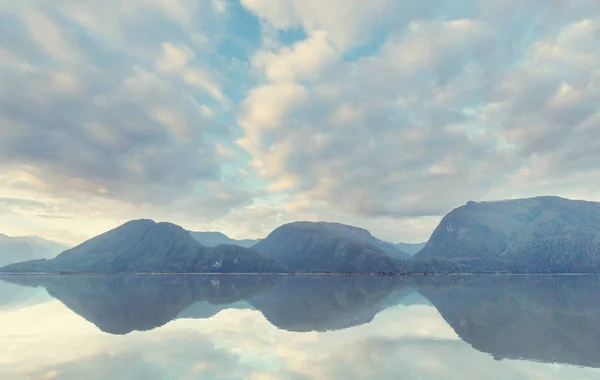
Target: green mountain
(212,239)
(536,235)
(17,249)
(146,246)
(329,247)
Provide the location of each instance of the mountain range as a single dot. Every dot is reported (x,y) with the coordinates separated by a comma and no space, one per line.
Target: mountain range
(533,235)
(146,246)
(398,250)
(17,249)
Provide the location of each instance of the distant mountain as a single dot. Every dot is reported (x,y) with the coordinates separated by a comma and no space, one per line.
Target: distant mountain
(212,239)
(329,247)
(17,249)
(540,235)
(411,249)
(146,246)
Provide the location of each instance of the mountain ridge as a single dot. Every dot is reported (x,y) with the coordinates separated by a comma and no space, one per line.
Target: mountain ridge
(14,249)
(146,246)
(327,247)
(545,234)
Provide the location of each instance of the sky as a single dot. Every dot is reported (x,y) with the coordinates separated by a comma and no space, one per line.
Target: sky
(242,115)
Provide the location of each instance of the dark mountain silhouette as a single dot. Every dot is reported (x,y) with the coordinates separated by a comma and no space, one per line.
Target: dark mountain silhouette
(146,246)
(553,319)
(538,235)
(329,247)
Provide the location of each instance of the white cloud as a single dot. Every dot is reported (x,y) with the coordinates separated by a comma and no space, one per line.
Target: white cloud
(443,112)
(306,60)
(384,113)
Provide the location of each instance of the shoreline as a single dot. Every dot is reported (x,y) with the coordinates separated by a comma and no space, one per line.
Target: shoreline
(316,274)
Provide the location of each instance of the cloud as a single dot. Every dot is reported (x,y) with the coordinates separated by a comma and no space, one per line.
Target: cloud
(444,111)
(91,119)
(385,114)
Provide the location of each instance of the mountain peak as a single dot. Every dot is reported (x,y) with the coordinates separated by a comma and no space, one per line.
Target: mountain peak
(542,234)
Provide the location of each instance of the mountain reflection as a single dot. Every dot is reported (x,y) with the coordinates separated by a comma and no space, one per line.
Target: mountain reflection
(552,319)
(548,319)
(122,304)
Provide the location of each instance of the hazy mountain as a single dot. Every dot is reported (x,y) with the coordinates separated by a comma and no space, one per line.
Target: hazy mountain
(552,319)
(17,249)
(146,246)
(212,239)
(411,249)
(543,234)
(328,247)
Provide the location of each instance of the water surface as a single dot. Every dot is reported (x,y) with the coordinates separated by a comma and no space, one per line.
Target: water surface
(299,327)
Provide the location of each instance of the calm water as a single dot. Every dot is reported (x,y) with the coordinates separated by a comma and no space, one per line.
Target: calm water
(265,327)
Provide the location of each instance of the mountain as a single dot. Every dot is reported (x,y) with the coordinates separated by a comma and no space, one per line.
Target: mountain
(552,319)
(147,246)
(411,249)
(17,249)
(329,247)
(212,239)
(534,235)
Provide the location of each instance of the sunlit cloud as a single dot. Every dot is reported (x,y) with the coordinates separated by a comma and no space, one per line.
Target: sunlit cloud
(209,113)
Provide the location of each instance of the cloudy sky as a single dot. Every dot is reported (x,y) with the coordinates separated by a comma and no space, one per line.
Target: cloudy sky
(240,115)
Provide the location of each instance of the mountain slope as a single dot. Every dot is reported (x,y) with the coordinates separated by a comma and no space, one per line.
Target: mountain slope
(16,249)
(146,246)
(212,239)
(364,236)
(326,247)
(543,235)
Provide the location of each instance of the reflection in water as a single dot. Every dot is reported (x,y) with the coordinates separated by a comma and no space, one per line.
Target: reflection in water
(122,304)
(358,327)
(543,318)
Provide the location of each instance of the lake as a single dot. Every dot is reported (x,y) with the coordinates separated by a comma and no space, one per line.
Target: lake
(299,327)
